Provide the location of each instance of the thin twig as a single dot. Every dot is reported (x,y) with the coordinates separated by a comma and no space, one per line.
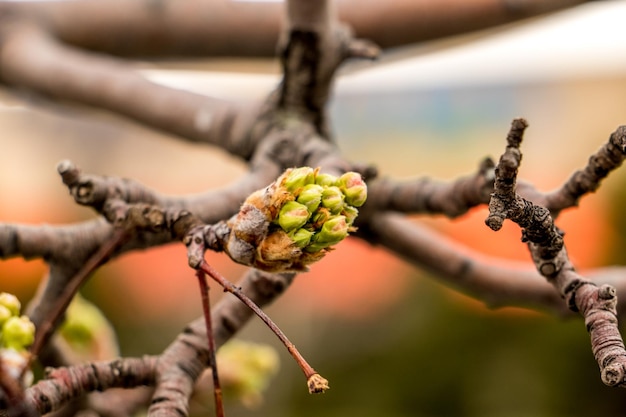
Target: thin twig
(315,381)
(206,306)
(47,326)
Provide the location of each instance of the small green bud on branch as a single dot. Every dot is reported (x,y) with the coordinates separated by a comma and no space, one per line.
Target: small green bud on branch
(18,333)
(293,216)
(11,303)
(332,199)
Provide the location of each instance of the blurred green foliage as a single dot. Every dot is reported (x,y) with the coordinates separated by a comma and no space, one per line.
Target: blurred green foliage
(435,356)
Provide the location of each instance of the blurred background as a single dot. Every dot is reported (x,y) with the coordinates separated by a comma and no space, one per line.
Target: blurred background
(391,340)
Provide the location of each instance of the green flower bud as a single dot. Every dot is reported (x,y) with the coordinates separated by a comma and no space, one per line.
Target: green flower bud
(298,178)
(311,196)
(11,302)
(354,188)
(5,314)
(351,214)
(293,215)
(18,333)
(332,199)
(301,237)
(325,180)
(318,218)
(334,230)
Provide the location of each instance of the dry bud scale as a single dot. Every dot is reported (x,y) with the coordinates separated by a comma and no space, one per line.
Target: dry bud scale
(296,220)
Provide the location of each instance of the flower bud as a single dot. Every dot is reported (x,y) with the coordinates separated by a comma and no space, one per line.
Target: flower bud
(311,196)
(298,178)
(293,215)
(332,199)
(320,217)
(334,230)
(11,302)
(354,188)
(5,314)
(325,180)
(351,214)
(18,333)
(301,237)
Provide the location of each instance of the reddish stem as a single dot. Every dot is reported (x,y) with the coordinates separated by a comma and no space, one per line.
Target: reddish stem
(206,306)
(236,291)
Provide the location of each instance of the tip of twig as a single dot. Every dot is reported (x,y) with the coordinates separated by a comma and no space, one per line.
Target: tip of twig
(494,222)
(68,171)
(317,384)
(363,48)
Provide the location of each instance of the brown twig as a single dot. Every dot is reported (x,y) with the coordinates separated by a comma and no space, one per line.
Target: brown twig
(206,307)
(315,382)
(63,384)
(46,328)
(597,305)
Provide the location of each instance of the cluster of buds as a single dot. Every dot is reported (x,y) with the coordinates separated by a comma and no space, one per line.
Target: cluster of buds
(17,333)
(296,220)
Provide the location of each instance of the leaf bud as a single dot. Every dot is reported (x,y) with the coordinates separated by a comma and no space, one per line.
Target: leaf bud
(332,199)
(354,188)
(293,215)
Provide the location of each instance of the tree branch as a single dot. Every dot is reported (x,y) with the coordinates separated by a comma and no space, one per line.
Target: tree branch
(196,28)
(545,242)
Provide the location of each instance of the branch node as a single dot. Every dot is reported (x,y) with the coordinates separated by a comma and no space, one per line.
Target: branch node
(607,292)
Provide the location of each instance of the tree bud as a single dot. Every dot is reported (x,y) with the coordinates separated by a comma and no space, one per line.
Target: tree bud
(354,188)
(298,178)
(301,237)
(5,314)
(325,180)
(293,215)
(11,302)
(332,199)
(18,333)
(351,214)
(332,232)
(311,196)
